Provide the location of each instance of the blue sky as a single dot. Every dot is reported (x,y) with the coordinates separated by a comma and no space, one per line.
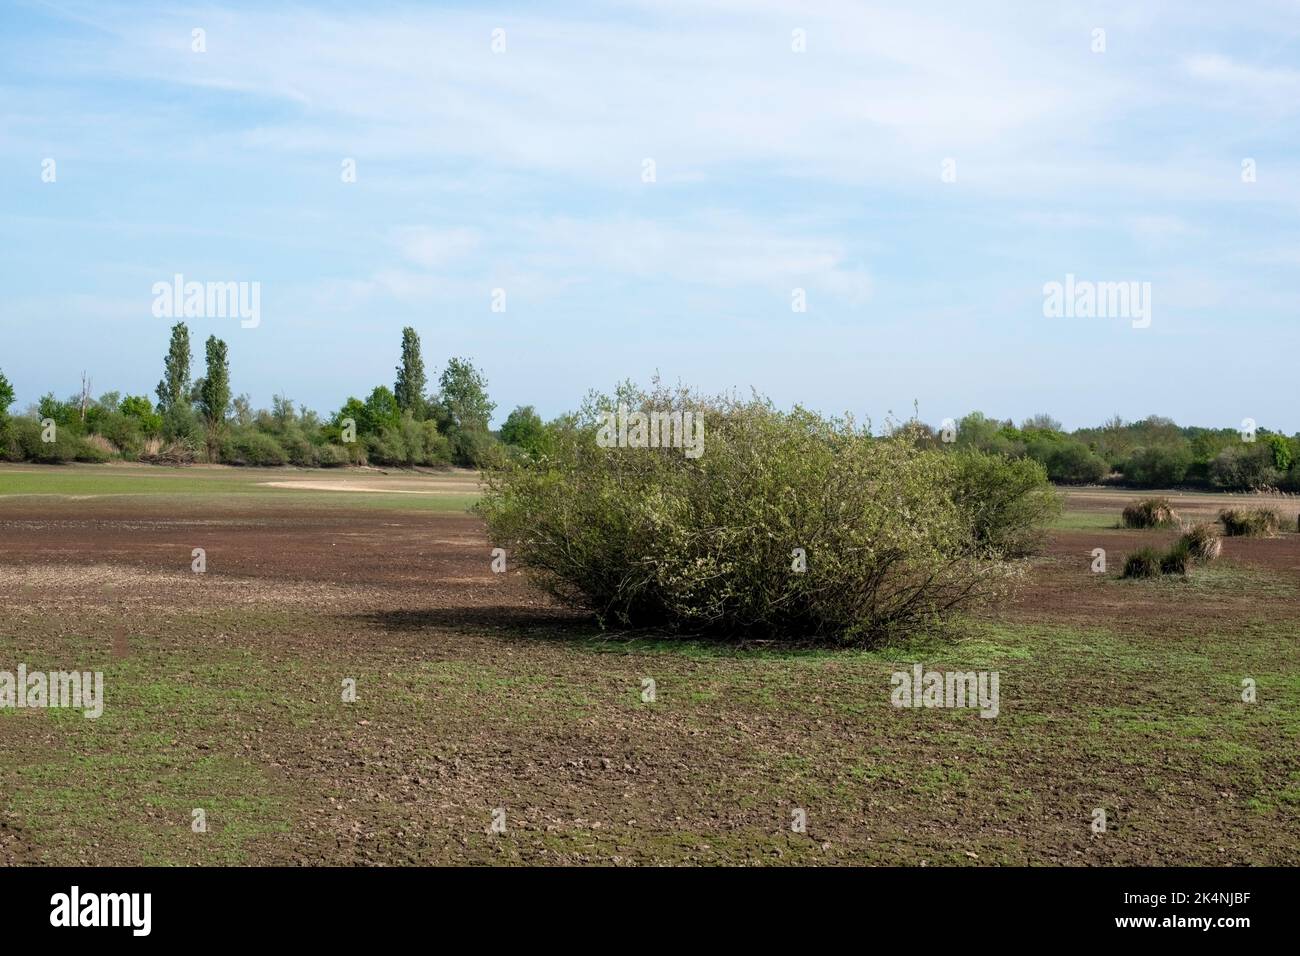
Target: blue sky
(522,170)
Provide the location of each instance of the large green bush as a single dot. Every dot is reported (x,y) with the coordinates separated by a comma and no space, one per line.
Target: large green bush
(1008,502)
(788,525)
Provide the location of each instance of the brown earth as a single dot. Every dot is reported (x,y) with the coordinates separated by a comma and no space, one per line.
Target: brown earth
(475,692)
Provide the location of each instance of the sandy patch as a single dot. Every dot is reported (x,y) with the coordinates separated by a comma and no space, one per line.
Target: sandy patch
(363,486)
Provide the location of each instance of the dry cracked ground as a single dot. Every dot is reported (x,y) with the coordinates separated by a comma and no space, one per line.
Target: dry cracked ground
(476,699)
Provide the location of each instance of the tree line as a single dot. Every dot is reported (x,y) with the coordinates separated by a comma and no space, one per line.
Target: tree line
(410,424)
(201,419)
(1154,452)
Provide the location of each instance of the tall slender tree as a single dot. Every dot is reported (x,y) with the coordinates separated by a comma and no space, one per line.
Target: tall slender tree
(174,389)
(409,387)
(214,393)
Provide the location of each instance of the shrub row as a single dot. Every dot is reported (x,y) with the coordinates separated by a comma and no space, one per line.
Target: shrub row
(406,444)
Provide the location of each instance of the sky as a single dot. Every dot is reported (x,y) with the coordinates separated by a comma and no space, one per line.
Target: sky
(653,187)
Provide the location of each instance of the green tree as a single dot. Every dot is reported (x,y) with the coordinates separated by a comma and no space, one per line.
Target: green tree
(174,389)
(976,431)
(355,409)
(1280,449)
(411,380)
(465,410)
(243,409)
(464,395)
(380,410)
(282,410)
(523,428)
(63,414)
(141,409)
(215,393)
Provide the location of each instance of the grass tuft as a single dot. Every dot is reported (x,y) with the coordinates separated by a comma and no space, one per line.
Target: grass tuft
(1250,522)
(1143,563)
(1150,513)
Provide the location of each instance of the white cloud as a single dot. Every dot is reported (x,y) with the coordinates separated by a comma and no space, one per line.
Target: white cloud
(433,248)
(880,93)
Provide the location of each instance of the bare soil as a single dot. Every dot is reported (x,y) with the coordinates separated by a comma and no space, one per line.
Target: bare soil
(474,692)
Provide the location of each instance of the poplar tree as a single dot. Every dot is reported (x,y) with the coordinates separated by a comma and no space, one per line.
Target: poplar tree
(409,387)
(175,385)
(214,392)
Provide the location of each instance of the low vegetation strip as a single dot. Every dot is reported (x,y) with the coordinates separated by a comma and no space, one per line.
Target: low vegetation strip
(412,425)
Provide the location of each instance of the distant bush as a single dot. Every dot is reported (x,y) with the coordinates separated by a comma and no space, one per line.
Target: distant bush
(409,443)
(332,456)
(179,423)
(251,447)
(1143,563)
(1150,513)
(473,447)
(425,445)
(1158,467)
(95,448)
(297,449)
(1074,463)
(523,429)
(123,431)
(27,439)
(1250,522)
(977,432)
(387,447)
(647,537)
(1245,467)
